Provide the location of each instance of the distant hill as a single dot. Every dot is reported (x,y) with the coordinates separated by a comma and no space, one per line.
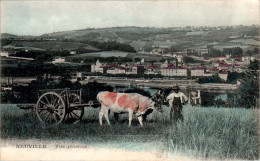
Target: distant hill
(114,33)
(140,38)
(6,36)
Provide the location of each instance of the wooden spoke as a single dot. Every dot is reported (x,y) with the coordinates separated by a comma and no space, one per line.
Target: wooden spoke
(44,113)
(75,115)
(47,99)
(57,114)
(43,103)
(55,118)
(48,116)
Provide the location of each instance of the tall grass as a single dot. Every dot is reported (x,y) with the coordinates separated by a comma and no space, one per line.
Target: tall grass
(216,133)
(205,132)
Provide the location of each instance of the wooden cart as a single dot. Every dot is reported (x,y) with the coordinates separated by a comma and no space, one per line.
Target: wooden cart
(55,106)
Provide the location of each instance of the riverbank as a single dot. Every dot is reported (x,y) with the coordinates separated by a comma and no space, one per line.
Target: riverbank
(167,83)
(153,83)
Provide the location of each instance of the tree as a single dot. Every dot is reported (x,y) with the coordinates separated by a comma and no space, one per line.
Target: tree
(215,52)
(137,59)
(237,51)
(90,90)
(254,65)
(256,50)
(233,77)
(249,53)
(138,90)
(187,59)
(248,91)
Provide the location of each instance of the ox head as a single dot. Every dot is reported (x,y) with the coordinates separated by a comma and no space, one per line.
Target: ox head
(158,99)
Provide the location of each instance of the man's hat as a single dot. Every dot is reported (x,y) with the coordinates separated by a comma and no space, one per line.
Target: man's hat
(176,87)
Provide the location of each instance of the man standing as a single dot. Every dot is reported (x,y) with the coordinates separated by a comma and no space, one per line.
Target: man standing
(176,99)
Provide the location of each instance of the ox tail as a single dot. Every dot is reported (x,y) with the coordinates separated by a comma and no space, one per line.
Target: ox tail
(98,98)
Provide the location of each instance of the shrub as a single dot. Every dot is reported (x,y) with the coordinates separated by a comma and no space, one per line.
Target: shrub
(138,90)
(90,90)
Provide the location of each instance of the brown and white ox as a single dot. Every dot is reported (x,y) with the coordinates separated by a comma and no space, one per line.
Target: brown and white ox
(133,103)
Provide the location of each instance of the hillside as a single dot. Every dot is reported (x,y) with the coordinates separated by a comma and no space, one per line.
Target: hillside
(143,38)
(53,45)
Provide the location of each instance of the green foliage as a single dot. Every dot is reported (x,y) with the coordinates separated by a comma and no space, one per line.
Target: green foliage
(36,69)
(137,59)
(138,90)
(90,90)
(212,79)
(215,52)
(254,65)
(171,50)
(115,59)
(111,45)
(207,99)
(233,77)
(187,59)
(235,51)
(256,51)
(248,90)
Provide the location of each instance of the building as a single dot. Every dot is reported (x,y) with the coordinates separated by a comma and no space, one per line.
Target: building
(73,52)
(214,71)
(226,67)
(198,71)
(58,60)
(97,67)
(221,58)
(153,70)
(207,74)
(223,75)
(174,71)
(4,54)
(218,63)
(138,69)
(246,59)
(110,69)
(116,70)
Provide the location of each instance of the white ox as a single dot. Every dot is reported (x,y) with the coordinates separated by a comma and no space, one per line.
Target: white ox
(133,103)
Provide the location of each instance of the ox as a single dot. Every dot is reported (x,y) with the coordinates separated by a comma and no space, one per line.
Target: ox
(133,103)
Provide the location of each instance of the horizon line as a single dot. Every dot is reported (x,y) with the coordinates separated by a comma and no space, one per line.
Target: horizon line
(190,26)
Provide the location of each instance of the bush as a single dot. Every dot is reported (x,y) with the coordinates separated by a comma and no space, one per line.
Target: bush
(138,90)
(90,90)
(248,91)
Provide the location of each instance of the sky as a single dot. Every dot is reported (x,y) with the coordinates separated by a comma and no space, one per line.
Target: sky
(40,17)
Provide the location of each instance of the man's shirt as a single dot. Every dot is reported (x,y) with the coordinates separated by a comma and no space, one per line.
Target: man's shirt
(171,97)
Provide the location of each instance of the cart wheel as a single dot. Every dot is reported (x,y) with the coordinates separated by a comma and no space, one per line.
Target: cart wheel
(74,114)
(51,108)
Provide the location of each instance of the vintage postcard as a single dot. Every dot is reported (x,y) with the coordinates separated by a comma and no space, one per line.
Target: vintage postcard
(130,80)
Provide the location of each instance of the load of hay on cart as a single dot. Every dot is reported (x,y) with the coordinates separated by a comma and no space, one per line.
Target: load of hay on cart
(55,106)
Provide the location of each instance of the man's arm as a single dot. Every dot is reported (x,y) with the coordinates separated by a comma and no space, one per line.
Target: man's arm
(169,99)
(185,98)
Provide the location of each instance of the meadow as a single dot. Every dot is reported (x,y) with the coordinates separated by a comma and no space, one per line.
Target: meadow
(207,133)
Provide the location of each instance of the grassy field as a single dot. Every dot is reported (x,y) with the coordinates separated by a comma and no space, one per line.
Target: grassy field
(53,45)
(205,133)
